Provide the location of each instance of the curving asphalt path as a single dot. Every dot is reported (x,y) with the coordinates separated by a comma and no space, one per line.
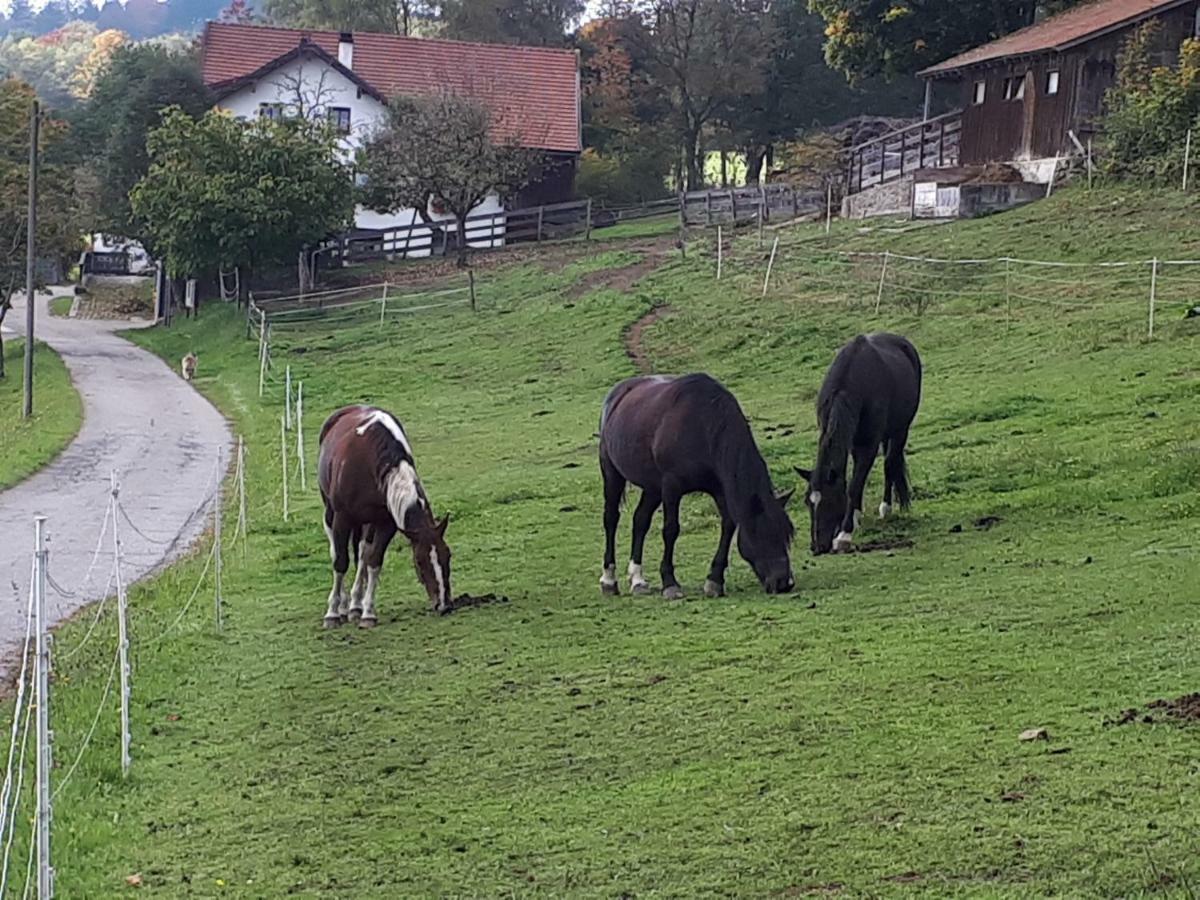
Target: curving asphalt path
(141,419)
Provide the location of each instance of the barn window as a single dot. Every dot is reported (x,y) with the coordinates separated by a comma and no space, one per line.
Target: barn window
(1052,82)
(339,118)
(1014,88)
(980,92)
(272,111)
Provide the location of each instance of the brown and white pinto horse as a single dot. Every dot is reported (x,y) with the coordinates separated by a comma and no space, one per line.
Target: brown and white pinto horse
(371,490)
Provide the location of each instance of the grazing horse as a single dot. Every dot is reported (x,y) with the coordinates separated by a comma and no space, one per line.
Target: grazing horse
(371,490)
(685,435)
(868,400)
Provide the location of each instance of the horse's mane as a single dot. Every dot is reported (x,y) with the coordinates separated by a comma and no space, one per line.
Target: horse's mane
(837,410)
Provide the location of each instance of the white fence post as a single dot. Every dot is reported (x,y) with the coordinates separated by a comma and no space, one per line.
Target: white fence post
(45,753)
(829,208)
(241,466)
(1153,291)
(283,457)
(122,632)
(887,256)
(770,265)
(218,600)
(383,303)
(287,401)
(1187,159)
(264,350)
(300,436)
(720,251)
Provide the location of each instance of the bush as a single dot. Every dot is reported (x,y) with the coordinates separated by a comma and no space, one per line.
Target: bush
(621,181)
(1151,108)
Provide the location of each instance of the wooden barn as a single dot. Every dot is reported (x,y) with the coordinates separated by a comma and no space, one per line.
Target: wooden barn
(1025,102)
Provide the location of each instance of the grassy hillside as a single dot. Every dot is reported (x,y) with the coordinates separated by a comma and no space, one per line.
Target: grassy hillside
(28,444)
(859,737)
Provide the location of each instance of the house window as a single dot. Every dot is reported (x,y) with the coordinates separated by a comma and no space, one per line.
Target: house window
(339,118)
(1052,83)
(272,111)
(980,93)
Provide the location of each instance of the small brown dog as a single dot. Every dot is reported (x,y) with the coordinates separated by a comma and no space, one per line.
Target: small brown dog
(188,365)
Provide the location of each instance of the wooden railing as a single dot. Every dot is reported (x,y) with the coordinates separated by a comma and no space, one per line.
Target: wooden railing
(932,144)
(747,204)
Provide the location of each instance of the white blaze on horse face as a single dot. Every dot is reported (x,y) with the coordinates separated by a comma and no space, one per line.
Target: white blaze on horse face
(379,417)
(403,492)
(636,578)
(439,576)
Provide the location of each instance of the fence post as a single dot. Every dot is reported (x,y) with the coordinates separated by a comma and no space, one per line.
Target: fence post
(217,588)
(720,251)
(1053,176)
(122,631)
(887,255)
(770,265)
(283,458)
(300,438)
(828,207)
(1187,159)
(541,214)
(287,398)
(1153,291)
(383,303)
(242,522)
(45,752)
(1089,163)
(264,349)
(587,236)
(471,285)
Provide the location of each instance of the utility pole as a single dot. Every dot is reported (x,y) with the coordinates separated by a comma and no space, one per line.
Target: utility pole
(30,259)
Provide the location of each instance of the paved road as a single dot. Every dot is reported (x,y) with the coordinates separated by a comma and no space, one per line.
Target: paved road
(141,420)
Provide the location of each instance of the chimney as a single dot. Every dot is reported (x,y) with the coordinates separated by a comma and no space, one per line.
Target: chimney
(346,49)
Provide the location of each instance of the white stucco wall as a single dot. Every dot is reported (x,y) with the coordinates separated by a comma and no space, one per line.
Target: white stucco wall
(309,86)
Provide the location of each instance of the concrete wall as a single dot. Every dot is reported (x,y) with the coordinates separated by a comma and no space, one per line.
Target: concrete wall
(982,199)
(891,199)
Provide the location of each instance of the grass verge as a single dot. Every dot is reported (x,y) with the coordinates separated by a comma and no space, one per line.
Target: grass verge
(29,444)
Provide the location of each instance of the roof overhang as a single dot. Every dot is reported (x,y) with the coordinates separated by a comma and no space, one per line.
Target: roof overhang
(949,68)
(305,48)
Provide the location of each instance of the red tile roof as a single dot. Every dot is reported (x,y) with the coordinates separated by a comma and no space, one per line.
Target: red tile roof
(1075,26)
(533,92)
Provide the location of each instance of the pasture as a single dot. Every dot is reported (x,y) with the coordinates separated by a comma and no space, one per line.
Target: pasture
(28,444)
(859,737)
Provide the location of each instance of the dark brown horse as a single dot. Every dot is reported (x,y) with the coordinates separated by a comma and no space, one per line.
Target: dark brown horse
(868,400)
(685,435)
(371,490)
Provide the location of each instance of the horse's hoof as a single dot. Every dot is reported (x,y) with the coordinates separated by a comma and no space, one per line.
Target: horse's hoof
(354,615)
(641,589)
(333,621)
(367,623)
(714,589)
(674,592)
(610,590)
(885,510)
(841,543)
(444,610)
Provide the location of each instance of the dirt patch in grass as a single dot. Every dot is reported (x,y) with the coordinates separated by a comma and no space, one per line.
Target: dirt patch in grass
(468,601)
(882,544)
(636,333)
(1182,710)
(620,280)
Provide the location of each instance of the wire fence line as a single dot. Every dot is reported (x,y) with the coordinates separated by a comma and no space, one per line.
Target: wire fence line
(1007,285)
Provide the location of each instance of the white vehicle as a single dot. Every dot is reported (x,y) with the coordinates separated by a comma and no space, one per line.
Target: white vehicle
(140,262)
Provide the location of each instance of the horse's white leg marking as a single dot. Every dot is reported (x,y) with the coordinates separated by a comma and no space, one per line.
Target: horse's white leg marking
(368,607)
(885,510)
(608,577)
(333,615)
(637,581)
(360,581)
(841,543)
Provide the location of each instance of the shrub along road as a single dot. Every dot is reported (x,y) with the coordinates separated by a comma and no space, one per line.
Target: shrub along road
(142,421)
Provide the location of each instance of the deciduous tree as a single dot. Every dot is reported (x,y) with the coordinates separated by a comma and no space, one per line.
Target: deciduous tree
(442,148)
(402,17)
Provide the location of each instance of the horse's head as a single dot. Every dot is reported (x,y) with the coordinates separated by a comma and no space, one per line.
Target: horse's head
(764,539)
(826,501)
(431,556)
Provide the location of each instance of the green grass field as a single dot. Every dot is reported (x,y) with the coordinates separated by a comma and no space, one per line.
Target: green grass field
(28,444)
(61,306)
(858,738)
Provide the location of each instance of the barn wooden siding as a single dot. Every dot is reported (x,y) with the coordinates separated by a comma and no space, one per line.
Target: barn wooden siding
(1036,127)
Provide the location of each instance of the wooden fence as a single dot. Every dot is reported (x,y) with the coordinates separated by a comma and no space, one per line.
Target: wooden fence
(748,204)
(932,144)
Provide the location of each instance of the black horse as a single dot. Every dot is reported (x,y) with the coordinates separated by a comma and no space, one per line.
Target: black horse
(868,400)
(685,435)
